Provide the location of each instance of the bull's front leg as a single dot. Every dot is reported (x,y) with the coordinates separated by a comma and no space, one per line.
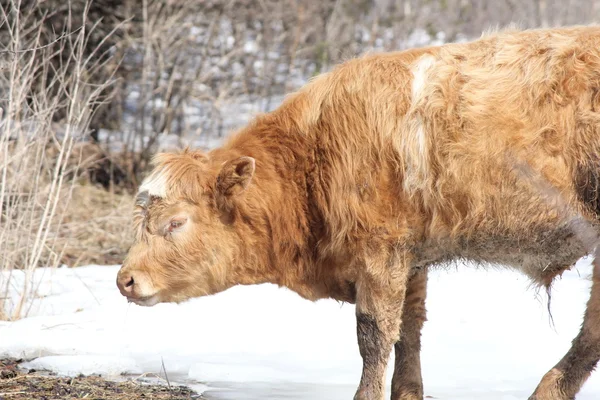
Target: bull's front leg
(407,383)
(379,304)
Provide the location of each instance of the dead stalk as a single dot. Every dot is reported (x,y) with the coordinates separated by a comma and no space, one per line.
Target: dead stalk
(46,114)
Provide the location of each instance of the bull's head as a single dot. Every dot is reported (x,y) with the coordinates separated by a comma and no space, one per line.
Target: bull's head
(184,243)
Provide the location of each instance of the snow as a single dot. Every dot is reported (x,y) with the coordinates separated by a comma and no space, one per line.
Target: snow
(85,364)
(489,335)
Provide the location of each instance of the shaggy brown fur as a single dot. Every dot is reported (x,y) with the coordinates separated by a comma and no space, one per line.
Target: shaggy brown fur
(487,151)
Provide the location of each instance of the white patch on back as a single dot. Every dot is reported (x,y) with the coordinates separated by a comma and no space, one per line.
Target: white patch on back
(419,72)
(419,75)
(414,142)
(155,184)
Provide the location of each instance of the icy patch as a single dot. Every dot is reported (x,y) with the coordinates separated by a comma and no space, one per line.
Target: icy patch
(86,365)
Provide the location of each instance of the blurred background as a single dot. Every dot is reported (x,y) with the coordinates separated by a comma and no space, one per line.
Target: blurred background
(90,90)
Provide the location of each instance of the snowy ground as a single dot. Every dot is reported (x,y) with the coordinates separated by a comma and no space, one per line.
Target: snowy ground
(488,336)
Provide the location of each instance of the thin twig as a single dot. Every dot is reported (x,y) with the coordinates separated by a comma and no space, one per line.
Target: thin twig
(58,39)
(166,376)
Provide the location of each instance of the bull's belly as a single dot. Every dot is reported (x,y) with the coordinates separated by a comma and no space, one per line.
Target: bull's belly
(541,255)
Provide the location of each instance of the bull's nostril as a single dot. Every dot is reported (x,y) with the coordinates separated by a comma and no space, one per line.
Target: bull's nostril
(126,283)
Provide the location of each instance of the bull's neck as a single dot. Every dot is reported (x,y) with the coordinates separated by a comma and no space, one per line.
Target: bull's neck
(274,213)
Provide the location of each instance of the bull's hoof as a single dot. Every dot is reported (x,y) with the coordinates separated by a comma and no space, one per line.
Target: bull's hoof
(408,396)
(365,394)
(408,392)
(550,387)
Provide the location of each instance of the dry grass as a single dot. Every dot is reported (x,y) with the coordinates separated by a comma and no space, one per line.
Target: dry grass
(92,225)
(19,385)
(96,228)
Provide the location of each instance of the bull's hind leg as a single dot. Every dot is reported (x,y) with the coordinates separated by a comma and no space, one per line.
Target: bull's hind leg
(379,300)
(407,383)
(564,380)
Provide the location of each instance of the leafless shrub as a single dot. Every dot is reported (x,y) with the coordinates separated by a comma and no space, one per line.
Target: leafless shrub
(46,109)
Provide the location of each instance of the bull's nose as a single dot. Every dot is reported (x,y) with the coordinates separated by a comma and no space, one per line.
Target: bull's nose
(126,283)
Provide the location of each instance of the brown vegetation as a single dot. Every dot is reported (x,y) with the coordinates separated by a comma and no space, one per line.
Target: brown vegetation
(96,228)
(16,384)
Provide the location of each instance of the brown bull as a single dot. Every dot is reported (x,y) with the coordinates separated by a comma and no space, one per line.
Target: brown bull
(487,151)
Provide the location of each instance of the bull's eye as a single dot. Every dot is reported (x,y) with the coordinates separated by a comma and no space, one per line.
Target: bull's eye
(174,224)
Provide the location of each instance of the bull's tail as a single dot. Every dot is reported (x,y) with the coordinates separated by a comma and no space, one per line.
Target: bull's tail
(587,186)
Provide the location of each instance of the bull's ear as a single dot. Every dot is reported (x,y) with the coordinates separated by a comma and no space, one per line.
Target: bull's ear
(235,176)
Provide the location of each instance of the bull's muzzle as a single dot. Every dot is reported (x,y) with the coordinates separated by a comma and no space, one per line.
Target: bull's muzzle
(125,283)
(137,287)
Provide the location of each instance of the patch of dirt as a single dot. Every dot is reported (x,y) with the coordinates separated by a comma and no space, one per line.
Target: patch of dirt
(19,384)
